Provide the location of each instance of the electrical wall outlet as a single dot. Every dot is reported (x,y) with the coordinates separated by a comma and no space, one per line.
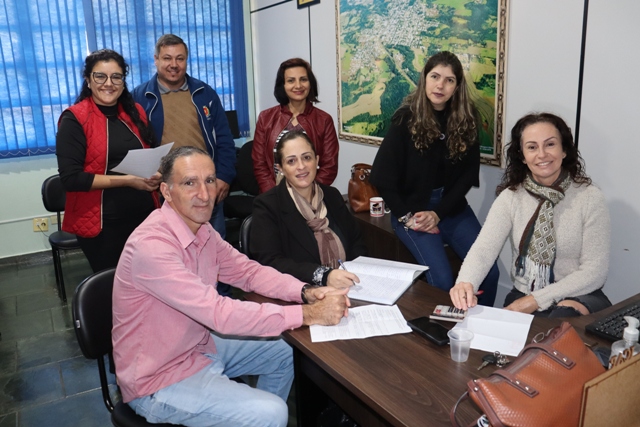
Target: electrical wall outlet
(54,219)
(40,224)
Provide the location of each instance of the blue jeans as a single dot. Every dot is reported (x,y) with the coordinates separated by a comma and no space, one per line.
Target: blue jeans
(459,232)
(209,398)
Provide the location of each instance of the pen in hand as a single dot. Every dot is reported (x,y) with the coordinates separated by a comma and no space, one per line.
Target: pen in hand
(344,267)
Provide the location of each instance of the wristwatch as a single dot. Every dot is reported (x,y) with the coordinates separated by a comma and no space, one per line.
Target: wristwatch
(306,286)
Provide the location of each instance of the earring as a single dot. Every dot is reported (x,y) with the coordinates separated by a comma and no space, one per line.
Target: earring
(318,167)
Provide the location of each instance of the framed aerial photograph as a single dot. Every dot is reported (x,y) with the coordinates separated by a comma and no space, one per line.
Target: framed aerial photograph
(305,3)
(384,44)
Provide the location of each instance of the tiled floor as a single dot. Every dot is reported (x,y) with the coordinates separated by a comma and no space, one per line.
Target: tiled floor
(44,379)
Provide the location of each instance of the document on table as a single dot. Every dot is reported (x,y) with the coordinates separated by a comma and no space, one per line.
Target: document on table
(143,162)
(497,329)
(382,281)
(363,322)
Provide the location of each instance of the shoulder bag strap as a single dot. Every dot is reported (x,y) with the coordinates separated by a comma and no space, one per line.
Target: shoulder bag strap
(452,413)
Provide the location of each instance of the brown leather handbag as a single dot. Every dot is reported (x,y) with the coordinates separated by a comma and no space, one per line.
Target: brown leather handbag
(360,189)
(542,387)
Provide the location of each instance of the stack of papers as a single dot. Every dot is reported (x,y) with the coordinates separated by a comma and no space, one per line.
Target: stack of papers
(497,329)
(382,281)
(363,322)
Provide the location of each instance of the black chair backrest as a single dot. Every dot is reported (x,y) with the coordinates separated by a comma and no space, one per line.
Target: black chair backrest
(244,170)
(234,127)
(91,309)
(53,196)
(245,230)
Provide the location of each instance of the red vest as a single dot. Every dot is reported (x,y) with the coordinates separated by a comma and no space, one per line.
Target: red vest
(83,209)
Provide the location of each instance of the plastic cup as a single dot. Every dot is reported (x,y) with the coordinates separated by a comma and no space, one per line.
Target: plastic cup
(460,343)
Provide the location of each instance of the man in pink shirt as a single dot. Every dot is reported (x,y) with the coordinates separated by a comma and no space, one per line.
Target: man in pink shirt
(176,341)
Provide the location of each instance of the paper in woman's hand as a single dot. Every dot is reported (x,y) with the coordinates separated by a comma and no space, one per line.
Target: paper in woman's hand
(144,162)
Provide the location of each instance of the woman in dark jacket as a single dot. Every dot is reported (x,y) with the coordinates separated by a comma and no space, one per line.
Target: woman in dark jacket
(427,163)
(301,227)
(296,90)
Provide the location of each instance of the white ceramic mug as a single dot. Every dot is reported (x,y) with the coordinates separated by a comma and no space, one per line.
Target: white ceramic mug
(376,206)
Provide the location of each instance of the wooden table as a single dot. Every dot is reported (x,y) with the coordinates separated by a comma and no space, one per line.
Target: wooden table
(399,380)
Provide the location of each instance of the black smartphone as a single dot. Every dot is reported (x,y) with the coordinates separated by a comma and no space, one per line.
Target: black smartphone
(432,331)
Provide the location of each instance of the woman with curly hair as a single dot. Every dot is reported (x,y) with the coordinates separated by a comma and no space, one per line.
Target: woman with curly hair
(427,163)
(557,221)
(94,136)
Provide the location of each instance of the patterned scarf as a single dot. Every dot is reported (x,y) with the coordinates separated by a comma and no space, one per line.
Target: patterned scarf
(315,213)
(537,250)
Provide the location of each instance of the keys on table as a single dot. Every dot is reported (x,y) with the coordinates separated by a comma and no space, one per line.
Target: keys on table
(500,360)
(488,359)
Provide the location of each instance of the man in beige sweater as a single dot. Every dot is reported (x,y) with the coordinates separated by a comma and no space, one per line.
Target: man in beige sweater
(188,112)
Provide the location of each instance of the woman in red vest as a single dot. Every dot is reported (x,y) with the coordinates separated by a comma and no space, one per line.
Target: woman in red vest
(94,135)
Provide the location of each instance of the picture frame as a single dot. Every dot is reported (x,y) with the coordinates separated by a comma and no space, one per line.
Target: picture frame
(306,3)
(382,47)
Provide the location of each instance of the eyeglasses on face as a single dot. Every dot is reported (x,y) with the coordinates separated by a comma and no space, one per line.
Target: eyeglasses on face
(101,78)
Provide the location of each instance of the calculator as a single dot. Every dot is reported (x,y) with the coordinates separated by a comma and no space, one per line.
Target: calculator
(448,313)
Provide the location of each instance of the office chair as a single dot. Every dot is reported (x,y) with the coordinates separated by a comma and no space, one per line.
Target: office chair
(92,322)
(245,229)
(234,126)
(240,205)
(53,198)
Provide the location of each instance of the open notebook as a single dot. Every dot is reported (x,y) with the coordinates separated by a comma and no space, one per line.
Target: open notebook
(382,281)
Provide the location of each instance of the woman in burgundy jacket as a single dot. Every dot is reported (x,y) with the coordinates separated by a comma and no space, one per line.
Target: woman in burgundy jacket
(296,89)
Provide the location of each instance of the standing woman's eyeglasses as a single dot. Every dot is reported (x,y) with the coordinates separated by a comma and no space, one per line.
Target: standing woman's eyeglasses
(101,78)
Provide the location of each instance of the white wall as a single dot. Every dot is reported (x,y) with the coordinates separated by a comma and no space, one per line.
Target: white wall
(20,183)
(543,61)
(608,137)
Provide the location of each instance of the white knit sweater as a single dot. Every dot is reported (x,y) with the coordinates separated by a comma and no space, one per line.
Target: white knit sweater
(583,229)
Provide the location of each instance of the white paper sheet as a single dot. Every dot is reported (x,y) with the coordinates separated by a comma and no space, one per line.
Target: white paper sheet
(388,263)
(496,329)
(143,162)
(363,322)
(381,281)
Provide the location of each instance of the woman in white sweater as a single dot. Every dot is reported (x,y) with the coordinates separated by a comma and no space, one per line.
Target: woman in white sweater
(557,222)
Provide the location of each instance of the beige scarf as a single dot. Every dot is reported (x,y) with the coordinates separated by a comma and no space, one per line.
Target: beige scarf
(315,213)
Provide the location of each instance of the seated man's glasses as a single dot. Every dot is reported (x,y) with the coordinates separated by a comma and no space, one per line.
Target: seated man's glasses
(101,78)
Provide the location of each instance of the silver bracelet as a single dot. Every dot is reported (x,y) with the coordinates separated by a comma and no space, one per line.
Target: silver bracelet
(318,274)
(405,219)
